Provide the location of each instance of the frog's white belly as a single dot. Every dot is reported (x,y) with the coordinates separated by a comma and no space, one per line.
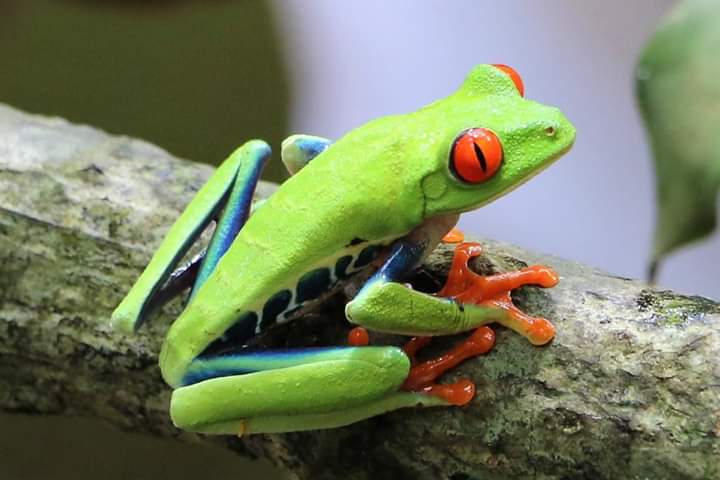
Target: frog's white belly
(280,306)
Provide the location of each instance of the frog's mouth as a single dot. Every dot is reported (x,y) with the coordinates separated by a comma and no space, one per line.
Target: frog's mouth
(444,193)
(532,174)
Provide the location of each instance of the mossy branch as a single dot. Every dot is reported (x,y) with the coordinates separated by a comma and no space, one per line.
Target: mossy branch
(630,388)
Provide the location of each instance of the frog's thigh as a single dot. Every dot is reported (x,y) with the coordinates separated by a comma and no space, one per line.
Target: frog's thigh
(334,419)
(301,396)
(235,179)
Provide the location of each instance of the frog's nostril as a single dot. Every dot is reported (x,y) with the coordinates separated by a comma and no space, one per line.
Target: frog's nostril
(551,131)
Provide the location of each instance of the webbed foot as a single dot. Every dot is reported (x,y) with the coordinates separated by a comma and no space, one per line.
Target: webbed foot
(423,375)
(467,287)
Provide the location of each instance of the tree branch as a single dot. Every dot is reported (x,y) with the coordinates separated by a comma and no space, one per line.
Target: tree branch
(630,388)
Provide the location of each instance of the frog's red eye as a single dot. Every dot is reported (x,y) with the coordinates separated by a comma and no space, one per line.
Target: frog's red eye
(476,155)
(517,80)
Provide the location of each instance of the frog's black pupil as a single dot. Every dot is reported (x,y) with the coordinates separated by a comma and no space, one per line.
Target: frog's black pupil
(480,157)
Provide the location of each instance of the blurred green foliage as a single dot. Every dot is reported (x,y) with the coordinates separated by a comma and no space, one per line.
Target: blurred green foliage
(679,96)
(197,78)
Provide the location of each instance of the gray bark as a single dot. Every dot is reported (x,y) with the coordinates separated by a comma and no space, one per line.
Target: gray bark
(630,388)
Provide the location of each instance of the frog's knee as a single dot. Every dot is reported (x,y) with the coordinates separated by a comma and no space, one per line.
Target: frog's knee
(371,305)
(393,359)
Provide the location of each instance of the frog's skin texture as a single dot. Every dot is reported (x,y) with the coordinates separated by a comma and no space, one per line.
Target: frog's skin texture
(380,197)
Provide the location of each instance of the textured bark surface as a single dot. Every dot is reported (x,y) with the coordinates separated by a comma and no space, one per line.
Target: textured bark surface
(630,388)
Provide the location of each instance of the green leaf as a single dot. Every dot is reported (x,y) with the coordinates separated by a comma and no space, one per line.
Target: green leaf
(678,90)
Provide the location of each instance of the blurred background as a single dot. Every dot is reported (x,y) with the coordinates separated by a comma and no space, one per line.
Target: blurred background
(199,78)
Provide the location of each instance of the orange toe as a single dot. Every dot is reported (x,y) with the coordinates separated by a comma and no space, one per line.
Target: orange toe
(540,331)
(358,337)
(481,341)
(467,287)
(458,394)
(455,235)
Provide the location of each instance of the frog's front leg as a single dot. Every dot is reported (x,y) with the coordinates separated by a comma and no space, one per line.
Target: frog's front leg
(385,305)
(289,390)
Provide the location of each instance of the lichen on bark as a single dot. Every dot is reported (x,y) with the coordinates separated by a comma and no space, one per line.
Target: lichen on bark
(630,387)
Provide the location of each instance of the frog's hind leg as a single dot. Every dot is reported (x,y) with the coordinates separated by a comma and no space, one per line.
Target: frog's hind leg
(422,375)
(289,390)
(296,152)
(337,418)
(227,195)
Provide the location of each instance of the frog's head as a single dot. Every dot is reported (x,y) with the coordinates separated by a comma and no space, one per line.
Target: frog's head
(488,140)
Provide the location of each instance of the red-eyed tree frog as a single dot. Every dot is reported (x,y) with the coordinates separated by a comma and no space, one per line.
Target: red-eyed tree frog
(381,197)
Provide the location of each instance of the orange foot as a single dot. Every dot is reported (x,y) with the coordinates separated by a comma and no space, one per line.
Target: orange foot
(422,375)
(468,287)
